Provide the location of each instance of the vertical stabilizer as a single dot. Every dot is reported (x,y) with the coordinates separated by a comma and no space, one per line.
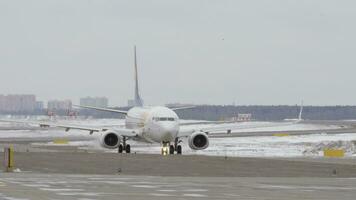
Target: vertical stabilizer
(138,100)
(300,112)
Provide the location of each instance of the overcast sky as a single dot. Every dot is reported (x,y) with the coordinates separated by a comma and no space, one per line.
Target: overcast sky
(189,51)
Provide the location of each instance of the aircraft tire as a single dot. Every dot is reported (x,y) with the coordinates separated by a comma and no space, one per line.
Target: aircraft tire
(179,149)
(128,148)
(171,149)
(121,148)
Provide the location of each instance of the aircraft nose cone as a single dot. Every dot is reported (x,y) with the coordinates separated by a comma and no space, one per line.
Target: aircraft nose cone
(168,131)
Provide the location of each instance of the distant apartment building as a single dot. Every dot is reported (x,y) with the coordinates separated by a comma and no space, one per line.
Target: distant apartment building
(101,102)
(17,103)
(59,105)
(242,117)
(39,105)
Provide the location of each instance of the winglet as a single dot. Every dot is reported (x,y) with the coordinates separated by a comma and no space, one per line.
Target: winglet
(300,112)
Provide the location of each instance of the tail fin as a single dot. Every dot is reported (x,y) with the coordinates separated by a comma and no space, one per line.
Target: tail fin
(300,112)
(138,100)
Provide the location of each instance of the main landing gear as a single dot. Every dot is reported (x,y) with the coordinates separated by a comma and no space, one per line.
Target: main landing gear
(167,148)
(124,147)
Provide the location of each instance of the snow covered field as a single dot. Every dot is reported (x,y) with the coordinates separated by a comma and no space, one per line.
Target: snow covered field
(254,146)
(257,146)
(288,146)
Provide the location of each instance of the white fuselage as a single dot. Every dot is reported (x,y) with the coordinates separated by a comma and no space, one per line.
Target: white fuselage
(157,124)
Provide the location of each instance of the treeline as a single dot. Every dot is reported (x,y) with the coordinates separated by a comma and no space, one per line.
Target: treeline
(261,113)
(270,113)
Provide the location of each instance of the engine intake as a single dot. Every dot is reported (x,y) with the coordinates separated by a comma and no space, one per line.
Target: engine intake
(198,141)
(110,140)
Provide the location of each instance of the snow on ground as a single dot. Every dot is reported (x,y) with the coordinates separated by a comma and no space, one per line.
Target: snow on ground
(268,146)
(273,146)
(256,146)
(262,127)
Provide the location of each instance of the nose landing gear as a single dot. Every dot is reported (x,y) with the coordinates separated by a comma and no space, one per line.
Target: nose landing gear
(167,148)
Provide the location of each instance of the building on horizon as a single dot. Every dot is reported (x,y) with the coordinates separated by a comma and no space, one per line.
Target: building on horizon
(59,105)
(101,102)
(39,105)
(17,103)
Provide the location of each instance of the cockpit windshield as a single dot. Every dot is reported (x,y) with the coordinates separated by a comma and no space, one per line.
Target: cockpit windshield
(164,119)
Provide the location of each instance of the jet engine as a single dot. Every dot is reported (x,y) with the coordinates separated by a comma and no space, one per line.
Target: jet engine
(110,140)
(198,141)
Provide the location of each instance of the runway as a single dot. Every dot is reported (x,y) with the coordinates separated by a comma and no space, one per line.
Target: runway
(110,187)
(176,165)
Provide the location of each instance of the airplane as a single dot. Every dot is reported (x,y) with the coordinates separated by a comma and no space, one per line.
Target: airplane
(158,124)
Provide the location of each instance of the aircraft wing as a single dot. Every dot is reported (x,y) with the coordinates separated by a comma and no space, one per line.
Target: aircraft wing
(183,108)
(206,123)
(222,128)
(103,109)
(67,127)
(186,132)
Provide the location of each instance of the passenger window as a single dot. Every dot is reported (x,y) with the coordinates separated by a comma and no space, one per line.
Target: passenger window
(170,119)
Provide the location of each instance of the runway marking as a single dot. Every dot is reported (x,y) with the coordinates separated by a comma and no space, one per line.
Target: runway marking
(298,187)
(194,195)
(308,190)
(105,179)
(79,194)
(108,182)
(145,186)
(196,190)
(2,196)
(85,199)
(61,189)
(92,194)
(36,185)
(166,190)
(161,195)
(232,195)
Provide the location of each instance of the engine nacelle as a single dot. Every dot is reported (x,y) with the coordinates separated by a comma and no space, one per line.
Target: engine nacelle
(110,140)
(198,141)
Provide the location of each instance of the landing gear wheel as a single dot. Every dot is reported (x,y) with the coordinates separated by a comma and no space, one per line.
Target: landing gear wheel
(171,149)
(121,148)
(128,148)
(179,149)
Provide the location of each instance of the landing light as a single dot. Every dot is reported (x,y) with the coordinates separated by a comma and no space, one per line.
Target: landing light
(165,151)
